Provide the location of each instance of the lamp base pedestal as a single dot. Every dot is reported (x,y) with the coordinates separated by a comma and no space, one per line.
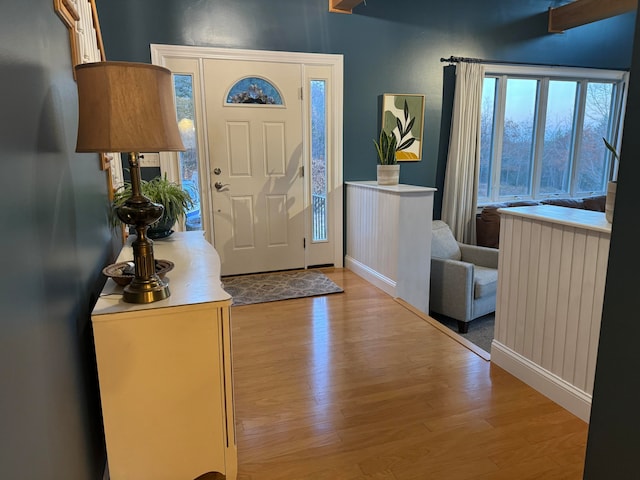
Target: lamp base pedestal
(148,290)
(146,286)
(138,210)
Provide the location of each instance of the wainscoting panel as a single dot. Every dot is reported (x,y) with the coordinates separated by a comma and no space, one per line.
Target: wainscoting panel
(550,294)
(371,229)
(389,238)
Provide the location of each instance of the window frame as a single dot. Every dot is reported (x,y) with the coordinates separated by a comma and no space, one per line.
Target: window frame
(544,75)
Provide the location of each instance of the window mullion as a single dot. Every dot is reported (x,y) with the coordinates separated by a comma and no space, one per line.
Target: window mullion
(616,125)
(501,100)
(577,135)
(539,132)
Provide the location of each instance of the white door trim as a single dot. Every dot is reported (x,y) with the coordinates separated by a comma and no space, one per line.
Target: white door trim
(160,54)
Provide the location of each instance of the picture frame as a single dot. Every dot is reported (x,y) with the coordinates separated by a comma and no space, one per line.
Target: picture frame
(403,115)
(80,17)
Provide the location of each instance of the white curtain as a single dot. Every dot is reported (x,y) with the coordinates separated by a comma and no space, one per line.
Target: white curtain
(463,162)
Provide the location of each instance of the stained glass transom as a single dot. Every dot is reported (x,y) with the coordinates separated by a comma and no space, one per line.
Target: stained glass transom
(254,90)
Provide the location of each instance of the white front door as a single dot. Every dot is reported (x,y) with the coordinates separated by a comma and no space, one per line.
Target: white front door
(256,159)
(256,227)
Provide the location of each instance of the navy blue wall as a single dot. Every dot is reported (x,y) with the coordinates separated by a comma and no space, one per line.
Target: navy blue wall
(612,449)
(54,243)
(388,46)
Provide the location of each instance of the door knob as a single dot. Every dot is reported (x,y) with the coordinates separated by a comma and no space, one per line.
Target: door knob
(219,186)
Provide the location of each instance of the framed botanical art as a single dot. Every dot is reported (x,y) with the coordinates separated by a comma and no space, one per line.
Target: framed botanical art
(403,115)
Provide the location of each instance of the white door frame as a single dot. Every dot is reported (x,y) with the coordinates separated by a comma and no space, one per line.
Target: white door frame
(169,161)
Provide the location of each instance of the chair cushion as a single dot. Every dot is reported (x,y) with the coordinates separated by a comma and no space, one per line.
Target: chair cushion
(485,281)
(443,243)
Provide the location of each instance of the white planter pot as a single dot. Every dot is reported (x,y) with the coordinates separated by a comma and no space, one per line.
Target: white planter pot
(610,201)
(388,174)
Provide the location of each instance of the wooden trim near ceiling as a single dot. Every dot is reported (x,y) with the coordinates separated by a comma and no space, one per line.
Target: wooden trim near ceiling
(96,25)
(79,16)
(343,6)
(71,13)
(581,12)
(67,12)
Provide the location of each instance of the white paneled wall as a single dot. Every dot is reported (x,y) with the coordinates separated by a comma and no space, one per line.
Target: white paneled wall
(552,272)
(372,230)
(389,238)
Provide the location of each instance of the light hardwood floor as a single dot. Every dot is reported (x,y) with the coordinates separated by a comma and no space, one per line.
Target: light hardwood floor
(355,386)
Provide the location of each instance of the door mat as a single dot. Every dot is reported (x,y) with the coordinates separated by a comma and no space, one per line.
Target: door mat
(270,287)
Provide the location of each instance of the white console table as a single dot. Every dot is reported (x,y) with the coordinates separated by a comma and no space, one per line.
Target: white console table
(389,238)
(165,370)
(551,274)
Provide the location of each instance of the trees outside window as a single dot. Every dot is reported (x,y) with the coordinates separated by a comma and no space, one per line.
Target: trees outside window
(542,130)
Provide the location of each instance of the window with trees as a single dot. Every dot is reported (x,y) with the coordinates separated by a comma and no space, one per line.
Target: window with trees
(542,131)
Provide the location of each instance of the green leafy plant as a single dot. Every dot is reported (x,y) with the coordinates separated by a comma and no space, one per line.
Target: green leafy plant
(615,156)
(386,148)
(611,149)
(175,200)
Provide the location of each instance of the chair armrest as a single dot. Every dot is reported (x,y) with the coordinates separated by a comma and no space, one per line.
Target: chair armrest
(483,256)
(451,291)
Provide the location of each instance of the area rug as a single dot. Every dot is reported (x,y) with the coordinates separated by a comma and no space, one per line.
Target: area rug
(480,330)
(270,287)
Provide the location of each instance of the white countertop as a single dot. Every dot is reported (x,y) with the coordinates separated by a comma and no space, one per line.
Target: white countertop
(400,188)
(573,217)
(195,277)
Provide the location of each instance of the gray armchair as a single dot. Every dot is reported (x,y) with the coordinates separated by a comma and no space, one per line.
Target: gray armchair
(464,278)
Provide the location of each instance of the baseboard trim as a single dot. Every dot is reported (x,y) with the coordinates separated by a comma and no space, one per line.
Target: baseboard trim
(549,384)
(370,275)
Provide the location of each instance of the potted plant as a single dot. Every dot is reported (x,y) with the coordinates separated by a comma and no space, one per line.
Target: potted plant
(388,168)
(611,186)
(175,200)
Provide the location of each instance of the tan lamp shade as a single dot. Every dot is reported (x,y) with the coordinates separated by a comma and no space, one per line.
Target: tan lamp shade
(126,107)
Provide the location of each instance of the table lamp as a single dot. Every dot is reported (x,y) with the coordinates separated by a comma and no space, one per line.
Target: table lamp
(128,107)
